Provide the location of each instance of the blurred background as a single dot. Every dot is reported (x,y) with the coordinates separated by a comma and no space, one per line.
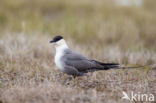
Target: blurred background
(118,31)
(128,23)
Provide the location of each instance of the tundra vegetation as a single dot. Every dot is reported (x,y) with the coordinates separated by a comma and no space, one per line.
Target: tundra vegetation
(98,29)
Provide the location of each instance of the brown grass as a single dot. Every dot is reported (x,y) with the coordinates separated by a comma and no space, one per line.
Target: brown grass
(28,75)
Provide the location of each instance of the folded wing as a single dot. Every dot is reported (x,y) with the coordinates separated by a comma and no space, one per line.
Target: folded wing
(82,64)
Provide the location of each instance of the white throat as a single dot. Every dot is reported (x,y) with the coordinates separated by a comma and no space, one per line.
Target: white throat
(61,45)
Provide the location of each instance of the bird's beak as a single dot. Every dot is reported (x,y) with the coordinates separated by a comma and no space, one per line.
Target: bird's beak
(52,41)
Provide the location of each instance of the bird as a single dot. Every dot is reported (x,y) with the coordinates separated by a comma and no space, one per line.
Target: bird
(75,64)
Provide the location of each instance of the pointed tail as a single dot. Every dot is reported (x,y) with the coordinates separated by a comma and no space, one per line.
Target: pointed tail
(118,66)
(108,65)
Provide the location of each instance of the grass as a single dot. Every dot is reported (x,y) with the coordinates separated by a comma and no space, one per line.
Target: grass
(118,34)
(28,73)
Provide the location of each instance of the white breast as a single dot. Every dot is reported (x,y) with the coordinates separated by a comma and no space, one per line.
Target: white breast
(58,62)
(60,47)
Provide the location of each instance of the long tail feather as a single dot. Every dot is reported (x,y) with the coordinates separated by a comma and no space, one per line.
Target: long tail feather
(107,66)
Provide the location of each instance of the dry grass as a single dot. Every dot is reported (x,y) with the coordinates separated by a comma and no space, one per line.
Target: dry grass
(118,34)
(28,75)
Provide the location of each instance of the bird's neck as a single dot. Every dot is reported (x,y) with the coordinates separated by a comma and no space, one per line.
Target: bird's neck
(61,46)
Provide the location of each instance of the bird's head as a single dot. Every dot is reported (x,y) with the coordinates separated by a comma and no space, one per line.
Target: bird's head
(58,41)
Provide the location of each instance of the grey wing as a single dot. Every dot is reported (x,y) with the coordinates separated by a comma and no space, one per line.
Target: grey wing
(79,62)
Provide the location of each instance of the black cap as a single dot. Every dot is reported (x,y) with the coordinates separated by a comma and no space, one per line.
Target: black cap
(56,38)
